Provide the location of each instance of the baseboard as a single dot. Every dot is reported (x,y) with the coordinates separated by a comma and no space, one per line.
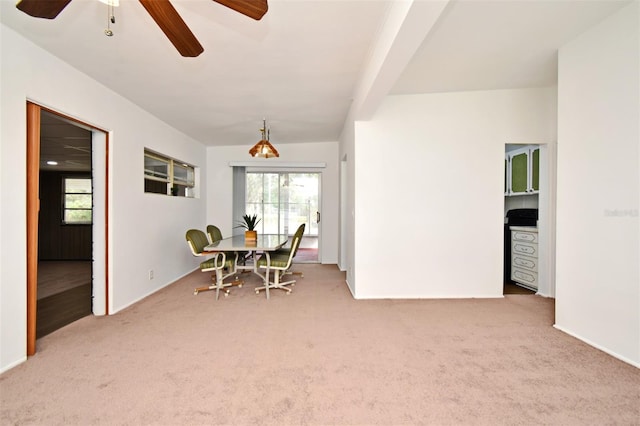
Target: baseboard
(114,310)
(599,347)
(13,364)
(350,289)
(430,297)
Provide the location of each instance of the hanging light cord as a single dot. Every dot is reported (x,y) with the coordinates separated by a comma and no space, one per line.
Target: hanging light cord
(111,19)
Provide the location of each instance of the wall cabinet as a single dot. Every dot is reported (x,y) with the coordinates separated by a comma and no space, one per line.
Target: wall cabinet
(522,171)
(524,256)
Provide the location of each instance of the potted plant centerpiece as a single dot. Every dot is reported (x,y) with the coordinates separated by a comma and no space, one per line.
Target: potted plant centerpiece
(249,223)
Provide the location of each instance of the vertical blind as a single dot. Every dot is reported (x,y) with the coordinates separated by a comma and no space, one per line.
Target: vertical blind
(239,191)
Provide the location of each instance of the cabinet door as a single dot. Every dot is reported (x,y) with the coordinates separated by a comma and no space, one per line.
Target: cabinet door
(535,170)
(523,171)
(506,176)
(519,173)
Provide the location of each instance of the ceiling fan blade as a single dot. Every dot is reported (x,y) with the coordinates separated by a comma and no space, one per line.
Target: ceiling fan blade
(252,8)
(48,9)
(174,27)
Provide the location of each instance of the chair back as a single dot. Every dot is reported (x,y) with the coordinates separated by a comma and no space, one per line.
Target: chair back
(298,234)
(197,241)
(214,233)
(294,246)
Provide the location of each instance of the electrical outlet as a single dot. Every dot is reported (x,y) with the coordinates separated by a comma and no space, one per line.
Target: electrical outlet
(150,274)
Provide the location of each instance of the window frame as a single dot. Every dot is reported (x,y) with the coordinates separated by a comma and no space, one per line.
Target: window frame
(153,175)
(175,185)
(64,200)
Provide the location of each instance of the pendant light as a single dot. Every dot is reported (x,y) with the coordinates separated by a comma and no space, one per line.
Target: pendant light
(264,148)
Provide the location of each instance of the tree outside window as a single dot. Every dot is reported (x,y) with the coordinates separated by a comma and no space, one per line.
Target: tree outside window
(77,202)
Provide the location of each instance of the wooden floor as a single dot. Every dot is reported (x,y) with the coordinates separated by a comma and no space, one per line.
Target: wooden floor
(64,294)
(510,288)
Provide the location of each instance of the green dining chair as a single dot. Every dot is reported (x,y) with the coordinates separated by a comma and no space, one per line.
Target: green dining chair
(285,251)
(214,234)
(278,264)
(197,241)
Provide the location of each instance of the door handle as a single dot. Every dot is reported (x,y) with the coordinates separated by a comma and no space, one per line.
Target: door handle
(317,217)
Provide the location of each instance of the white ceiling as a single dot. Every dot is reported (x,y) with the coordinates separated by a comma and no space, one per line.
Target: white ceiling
(299,67)
(64,142)
(504,44)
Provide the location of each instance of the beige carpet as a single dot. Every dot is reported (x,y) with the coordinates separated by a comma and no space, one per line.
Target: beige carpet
(318,357)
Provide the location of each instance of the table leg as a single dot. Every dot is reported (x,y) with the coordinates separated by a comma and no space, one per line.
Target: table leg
(266,283)
(256,270)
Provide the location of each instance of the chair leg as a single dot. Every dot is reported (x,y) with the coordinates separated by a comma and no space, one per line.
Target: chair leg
(266,284)
(281,285)
(219,284)
(201,289)
(276,283)
(236,280)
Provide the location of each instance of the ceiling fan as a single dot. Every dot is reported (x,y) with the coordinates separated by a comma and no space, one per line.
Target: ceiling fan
(162,12)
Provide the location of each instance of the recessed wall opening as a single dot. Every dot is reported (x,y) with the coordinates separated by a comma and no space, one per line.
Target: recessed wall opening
(521,189)
(528,222)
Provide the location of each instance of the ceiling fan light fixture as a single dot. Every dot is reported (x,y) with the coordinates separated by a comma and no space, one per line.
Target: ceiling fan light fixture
(161,11)
(263,148)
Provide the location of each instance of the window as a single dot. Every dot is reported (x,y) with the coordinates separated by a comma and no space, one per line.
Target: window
(165,175)
(77,201)
(183,179)
(283,200)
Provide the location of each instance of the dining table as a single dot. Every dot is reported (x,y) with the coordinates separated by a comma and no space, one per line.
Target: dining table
(264,243)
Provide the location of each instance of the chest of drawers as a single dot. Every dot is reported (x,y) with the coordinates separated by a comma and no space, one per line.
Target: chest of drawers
(524,256)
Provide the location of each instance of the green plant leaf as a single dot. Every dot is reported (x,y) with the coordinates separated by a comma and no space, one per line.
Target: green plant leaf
(248,222)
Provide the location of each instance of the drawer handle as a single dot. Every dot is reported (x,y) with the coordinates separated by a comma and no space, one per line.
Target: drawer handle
(524,276)
(524,237)
(524,249)
(523,262)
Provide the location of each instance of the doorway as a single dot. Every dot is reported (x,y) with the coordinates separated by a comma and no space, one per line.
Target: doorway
(529,186)
(66,221)
(284,200)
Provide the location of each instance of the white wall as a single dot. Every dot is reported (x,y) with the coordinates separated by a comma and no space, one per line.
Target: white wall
(146,231)
(429,172)
(219,185)
(598,236)
(347,214)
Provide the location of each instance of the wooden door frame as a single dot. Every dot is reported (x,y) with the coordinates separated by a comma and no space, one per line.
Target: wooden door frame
(33,209)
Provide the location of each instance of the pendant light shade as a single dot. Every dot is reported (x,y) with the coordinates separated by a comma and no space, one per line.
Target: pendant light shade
(264,148)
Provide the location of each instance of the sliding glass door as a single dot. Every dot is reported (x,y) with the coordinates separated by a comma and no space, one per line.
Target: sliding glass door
(284,201)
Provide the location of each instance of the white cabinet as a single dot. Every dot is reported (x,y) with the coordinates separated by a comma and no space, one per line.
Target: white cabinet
(522,171)
(524,256)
